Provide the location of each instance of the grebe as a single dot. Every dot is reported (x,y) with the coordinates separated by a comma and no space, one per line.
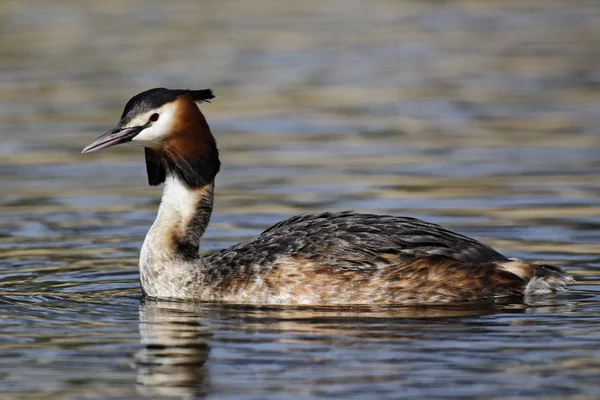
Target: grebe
(327,258)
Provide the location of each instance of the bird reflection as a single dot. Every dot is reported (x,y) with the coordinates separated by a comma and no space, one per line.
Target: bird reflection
(177,337)
(175,349)
(176,343)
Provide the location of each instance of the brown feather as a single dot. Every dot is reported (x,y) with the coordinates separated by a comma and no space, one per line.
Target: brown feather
(191,150)
(296,280)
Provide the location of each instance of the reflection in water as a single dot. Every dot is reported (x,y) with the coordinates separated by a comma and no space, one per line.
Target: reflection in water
(479,115)
(177,337)
(175,349)
(176,343)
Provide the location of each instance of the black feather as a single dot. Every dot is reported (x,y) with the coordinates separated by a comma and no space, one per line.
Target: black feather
(155,167)
(154,98)
(195,171)
(202,96)
(327,238)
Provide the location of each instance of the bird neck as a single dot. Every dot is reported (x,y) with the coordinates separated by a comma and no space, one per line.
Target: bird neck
(183,216)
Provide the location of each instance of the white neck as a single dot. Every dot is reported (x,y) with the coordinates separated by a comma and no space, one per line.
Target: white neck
(173,241)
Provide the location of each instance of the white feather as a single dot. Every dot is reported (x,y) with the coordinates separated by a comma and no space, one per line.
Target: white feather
(538,286)
(158,131)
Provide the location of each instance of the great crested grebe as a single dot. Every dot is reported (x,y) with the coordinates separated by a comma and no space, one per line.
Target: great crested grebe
(327,258)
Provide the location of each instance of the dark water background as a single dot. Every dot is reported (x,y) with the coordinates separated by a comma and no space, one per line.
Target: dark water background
(480,115)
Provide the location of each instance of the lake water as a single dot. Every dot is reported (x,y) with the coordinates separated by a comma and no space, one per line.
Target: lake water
(483,116)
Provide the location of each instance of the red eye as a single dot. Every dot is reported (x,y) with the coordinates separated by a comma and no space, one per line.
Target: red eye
(154,117)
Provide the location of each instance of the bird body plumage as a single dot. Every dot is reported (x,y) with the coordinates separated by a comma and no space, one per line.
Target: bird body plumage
(327,258)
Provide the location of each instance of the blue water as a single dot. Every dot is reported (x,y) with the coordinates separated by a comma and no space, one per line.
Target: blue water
(481,116)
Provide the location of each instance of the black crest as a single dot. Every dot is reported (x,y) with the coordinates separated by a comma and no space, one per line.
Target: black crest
(154,98)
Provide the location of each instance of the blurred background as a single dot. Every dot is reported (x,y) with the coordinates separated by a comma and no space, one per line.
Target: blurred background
(483,116)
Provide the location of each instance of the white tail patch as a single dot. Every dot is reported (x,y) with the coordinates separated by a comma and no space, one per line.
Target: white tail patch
(538,286)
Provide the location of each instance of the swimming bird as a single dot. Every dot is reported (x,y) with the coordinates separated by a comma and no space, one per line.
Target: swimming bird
(324,258)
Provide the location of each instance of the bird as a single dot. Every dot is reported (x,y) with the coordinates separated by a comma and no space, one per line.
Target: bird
(321,258)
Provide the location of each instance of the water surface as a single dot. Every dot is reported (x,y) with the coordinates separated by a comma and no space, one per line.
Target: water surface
(481,116)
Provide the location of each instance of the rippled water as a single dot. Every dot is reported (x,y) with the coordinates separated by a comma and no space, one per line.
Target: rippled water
(482,116)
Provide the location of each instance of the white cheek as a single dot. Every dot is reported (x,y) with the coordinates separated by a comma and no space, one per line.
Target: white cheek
(155,134)
(149,137)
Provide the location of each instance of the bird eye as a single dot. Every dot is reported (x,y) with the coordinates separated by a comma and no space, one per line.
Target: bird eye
(154,117)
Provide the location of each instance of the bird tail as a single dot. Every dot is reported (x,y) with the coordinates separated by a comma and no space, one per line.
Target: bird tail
(541,278)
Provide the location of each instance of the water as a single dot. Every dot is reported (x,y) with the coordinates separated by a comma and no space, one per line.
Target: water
(482,116)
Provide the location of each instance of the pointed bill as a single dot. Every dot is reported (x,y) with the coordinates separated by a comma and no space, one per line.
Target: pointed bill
(113,138)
